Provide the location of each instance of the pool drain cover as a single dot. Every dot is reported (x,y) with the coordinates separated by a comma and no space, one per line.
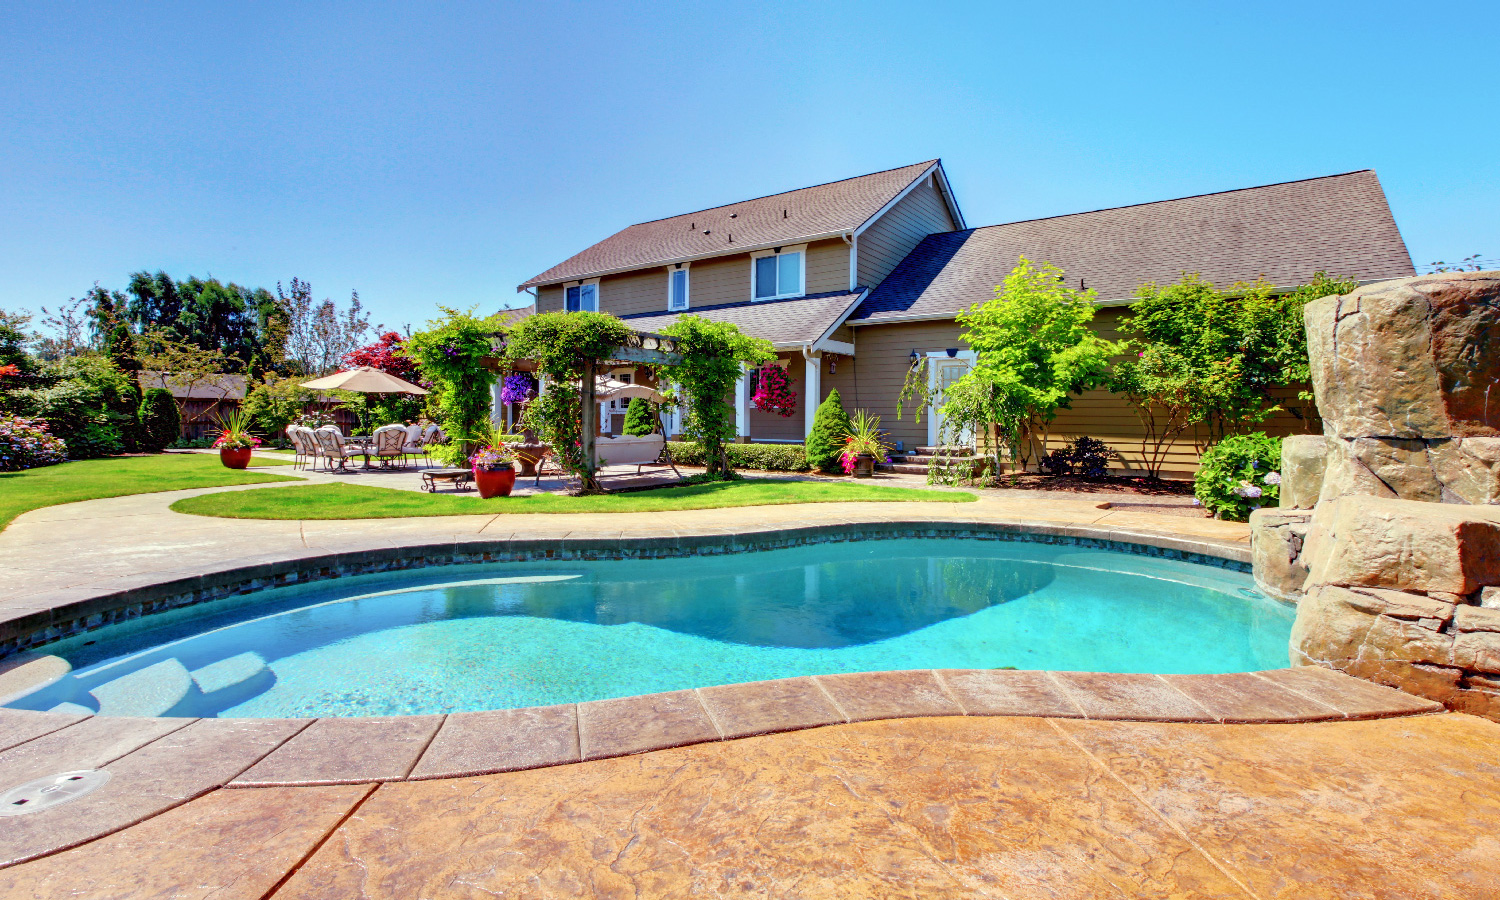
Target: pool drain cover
(54,790)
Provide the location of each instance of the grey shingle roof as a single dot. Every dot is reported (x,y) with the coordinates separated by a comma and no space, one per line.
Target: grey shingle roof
(766,221)
(1340,224)
(782,322)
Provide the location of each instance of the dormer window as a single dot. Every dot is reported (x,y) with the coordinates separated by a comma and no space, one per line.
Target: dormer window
(583,297)
(779,272)
(677,288)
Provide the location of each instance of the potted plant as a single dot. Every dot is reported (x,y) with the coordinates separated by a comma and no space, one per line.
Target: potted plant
(235,442)
(863,446)
(494,471)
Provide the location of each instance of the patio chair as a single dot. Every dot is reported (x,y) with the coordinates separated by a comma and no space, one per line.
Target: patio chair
(299,449)
(414,445)
(390,443)
(433,436)
(333,449)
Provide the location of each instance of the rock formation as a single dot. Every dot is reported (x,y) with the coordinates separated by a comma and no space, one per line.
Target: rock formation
(1388,535)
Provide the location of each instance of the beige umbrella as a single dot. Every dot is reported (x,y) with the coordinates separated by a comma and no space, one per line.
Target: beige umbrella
(364,380)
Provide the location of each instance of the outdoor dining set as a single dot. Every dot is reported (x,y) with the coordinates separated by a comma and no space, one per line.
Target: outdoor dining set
(387,446)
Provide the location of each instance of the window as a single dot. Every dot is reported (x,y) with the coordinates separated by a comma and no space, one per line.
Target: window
(677,289)
(583,297)
(777,273)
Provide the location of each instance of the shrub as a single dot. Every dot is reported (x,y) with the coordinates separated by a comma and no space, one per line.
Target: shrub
(640,418)
(762,457)
(81,405)
(161,423)
(1085,456)
(1238,475)
(26,444)
(829,431)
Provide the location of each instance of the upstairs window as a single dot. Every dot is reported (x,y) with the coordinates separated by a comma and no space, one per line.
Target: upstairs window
(583,297)
(677,289)
(778,273)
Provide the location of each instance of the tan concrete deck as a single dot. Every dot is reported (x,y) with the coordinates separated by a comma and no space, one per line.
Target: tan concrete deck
(1013,808)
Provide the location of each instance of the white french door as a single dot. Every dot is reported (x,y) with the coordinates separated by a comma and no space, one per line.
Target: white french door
(942,371)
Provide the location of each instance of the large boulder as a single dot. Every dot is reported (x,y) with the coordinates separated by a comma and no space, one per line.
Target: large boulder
(1411,358)
(1303,458)
(1403,545)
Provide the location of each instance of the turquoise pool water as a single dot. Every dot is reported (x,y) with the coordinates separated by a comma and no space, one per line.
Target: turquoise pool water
(523,634)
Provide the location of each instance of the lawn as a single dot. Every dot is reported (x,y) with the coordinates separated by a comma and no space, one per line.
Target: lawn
(357,501)
(91,479)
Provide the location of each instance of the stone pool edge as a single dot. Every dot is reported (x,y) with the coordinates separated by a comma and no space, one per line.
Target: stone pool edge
(60,614)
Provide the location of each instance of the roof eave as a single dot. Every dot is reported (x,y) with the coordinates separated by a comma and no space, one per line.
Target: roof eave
(746,248)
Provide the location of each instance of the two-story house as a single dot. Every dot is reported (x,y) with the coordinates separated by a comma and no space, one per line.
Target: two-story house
(854,281)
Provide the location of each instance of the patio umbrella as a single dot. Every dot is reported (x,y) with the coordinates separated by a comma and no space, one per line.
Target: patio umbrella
(364,380)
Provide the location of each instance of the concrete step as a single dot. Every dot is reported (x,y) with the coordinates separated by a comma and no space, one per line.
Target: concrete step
(902,468)
(230,682)
(947,451)
(163,689)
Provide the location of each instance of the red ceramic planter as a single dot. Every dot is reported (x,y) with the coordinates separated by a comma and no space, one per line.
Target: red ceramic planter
(496,483)
(235,457)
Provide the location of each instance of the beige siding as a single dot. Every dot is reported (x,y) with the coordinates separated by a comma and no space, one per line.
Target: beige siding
(827,266)
(549,299)
(896,233)
(768,426)
(725,279)
(879,368)
(642,291)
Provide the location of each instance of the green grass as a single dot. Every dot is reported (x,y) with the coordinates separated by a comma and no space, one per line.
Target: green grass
(357,501)
(91,479)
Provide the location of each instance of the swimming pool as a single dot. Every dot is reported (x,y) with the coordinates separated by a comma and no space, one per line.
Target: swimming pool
(506,635)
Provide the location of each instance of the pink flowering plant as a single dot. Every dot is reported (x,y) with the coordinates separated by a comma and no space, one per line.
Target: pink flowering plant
(27,444)
(234,433)
(773,391)
(865,439)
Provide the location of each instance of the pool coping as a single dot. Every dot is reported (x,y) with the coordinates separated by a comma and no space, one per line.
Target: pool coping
(49,617)
(169,762)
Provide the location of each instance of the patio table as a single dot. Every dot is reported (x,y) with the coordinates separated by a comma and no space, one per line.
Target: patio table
(461,479)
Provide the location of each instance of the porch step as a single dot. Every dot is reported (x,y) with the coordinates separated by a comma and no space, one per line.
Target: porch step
(902,468)
(950,451)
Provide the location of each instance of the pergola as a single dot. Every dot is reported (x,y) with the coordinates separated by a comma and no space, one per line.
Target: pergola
(639,348)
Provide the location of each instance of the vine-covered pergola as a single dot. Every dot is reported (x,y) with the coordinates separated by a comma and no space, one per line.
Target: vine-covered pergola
(637,348)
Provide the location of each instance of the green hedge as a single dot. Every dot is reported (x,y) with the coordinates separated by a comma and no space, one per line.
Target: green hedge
(764,457)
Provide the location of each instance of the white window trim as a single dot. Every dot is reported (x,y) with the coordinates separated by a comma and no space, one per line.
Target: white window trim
(687,284)
(802,281)
(597,292)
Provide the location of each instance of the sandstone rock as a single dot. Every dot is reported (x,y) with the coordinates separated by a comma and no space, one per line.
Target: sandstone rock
(1438,683)
(1476,702)
(1405,545)
(1276,539)
(1303,457)
(1478,651)
(1381,467)
(1469,468)
(1405,605)
(1476,618)
(1331,627)
(1411,358)
(1489,597)
(1407,641)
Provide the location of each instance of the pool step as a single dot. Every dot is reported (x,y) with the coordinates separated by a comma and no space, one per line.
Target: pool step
(163,689)
(72,708)
(230,682)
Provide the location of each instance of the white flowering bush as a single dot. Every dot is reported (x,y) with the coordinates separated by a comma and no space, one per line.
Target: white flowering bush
(1239,475)
(26,444)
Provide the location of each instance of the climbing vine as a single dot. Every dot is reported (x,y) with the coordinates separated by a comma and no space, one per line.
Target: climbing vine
(713,356)
(563,346)
(450,353)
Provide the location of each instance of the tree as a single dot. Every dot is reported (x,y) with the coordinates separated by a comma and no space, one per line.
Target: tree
(385,354)
(714,355)
(319,334)
(13,341)
(452,351)
(161,422)
(119,347)
(170,363)
(640,417)
(205,312)
(830,430)
(1158,384)
(69,325)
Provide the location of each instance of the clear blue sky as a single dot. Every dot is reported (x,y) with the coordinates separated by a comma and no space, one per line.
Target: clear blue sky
(430,154)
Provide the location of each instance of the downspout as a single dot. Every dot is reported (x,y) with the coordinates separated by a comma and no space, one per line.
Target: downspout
(852,240)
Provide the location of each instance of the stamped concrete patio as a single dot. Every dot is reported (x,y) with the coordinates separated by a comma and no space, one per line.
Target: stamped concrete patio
(993,784)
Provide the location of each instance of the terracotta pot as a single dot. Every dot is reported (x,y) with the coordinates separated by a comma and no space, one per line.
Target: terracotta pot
(495,482)
(864,466)
(235,457)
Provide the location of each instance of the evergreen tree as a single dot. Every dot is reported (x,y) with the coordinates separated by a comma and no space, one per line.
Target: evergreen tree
(826,440)
(119,346)
(640,418)
(161,423)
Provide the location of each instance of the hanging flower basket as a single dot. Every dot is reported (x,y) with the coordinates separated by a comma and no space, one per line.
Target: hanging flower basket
(773,392)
